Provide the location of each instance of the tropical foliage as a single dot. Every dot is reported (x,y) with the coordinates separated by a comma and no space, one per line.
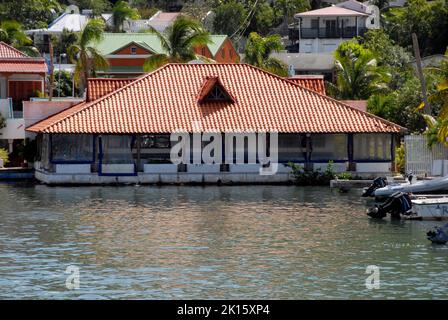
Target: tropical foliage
(358,75)
(87,58)
(11,32)
(258,50)
(178,42)
(121,12)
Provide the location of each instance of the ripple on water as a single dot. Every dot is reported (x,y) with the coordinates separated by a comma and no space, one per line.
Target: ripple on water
(269,242)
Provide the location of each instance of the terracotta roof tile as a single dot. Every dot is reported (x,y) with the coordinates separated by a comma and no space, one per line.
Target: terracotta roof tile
(15,61)
(8,52)
(312,82)
(165,101)
(99,87)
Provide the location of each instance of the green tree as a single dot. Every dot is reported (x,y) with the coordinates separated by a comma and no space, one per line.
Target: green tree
(87,59)
(30,13)
(357,73)
(63,83)
(438,126)
(284,10)
(64,41)
(121,12)
(229,17)
(97,6)
(428,19)
(258,50)
(263,18)
(178,42)
(11,32)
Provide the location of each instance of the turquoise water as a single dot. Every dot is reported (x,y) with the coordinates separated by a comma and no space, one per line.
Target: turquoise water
(255,242)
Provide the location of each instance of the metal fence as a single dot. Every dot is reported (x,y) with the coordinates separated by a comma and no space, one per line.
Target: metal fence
(422,160)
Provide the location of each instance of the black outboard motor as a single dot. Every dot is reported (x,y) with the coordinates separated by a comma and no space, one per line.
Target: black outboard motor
(379,182)
(438,235)
(397,204)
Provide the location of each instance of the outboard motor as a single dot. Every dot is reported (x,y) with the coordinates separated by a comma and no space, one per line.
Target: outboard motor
(439,235)
(379,182)
(397,204)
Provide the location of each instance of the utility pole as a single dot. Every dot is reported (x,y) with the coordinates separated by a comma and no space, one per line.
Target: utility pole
(418,62)
(50,87)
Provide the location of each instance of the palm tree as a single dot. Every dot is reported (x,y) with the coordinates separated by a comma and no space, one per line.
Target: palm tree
(178,41)
(11,32)
(258,50)
(86,58)
(438,127)
(358,76)
(121,12)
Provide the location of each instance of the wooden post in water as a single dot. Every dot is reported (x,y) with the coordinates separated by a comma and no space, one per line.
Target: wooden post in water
(418,62)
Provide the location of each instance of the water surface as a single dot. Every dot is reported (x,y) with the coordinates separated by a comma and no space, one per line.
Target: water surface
(254,242)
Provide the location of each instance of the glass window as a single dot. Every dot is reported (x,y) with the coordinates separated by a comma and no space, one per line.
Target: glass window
(117,149)
(326,147)
(72,147)
(373,146)
(290,148)
(155,141)
(133,50)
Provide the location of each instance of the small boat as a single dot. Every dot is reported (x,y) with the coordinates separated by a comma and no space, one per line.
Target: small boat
(409,206)
(413,186)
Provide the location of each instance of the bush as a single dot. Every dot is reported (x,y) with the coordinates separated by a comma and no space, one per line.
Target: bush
(400,163)
(312,178)
(345,176)
(4,156)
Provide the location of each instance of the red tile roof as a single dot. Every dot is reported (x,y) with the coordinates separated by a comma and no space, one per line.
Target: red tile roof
(312,82)
(165,101)
(14,61)
(9,52)
(99,87)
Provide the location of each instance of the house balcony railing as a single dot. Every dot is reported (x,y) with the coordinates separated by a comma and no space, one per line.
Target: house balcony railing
(325,33)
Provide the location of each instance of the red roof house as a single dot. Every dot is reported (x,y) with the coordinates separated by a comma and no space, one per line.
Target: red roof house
(21,77)
(225,98)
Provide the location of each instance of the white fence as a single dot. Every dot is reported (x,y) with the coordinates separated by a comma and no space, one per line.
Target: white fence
(422,160)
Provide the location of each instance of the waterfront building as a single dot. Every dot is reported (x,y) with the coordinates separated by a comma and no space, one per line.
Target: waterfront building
(21,77)
(122,133)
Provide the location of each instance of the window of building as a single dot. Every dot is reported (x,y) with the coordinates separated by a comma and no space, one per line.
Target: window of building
(133,50)
(217,93)
(203,52)
(326,147)
(314,23)
(160,141)
(374,146)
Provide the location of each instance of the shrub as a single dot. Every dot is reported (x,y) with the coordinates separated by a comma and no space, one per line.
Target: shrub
(312,178)
(400,158)
(345,176)
(4,156)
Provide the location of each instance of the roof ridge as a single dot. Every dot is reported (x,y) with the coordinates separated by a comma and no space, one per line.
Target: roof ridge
(14,49)
(327,97)
(94,102)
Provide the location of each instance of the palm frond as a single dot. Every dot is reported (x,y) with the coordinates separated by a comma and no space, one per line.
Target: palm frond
(155,61)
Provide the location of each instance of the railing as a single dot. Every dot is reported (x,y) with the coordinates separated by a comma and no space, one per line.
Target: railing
(419,158)
(326,33)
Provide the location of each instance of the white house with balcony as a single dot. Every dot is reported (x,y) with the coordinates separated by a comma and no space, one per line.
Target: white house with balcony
(322,30)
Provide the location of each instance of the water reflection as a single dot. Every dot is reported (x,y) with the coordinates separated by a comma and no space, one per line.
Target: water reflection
(213,242)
